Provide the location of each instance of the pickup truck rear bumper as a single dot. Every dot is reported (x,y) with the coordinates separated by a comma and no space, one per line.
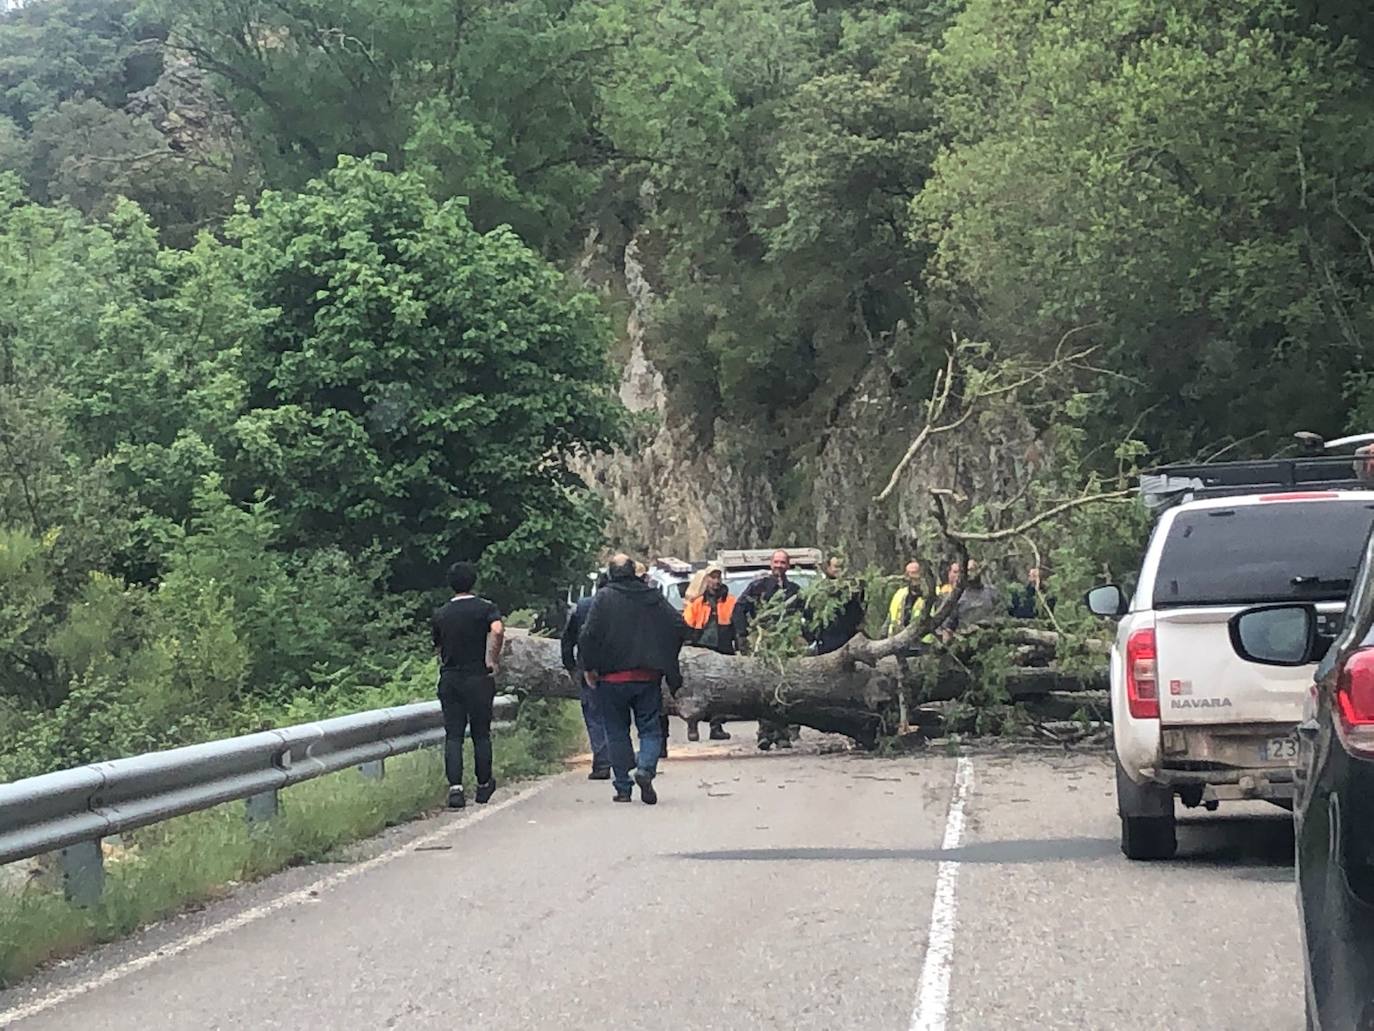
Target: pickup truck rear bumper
(1234,785)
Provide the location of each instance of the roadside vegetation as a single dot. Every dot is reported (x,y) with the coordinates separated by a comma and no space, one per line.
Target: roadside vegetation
(165,869)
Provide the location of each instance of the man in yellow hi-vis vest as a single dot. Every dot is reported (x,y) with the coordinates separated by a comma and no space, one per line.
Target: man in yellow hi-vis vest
(909,603)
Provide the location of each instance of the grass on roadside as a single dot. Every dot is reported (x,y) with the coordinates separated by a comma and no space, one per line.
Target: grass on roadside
(172,866)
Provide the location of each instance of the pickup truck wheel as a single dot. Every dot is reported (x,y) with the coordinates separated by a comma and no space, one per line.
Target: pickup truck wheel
(1147,818)
(1148,837)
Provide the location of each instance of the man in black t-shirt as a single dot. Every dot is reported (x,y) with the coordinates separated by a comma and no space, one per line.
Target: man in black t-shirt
(467,635)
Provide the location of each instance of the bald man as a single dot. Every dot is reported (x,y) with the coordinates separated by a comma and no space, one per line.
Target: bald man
(628,647)
(771,731)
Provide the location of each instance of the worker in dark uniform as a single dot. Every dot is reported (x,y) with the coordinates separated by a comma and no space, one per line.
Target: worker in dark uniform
(756,595)
(1026,600)
(846,623)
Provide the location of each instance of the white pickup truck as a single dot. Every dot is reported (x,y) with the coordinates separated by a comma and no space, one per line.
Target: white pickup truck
(1192,721)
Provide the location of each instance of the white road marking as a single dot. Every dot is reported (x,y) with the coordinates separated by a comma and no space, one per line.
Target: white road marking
(307,894)
(932,1004)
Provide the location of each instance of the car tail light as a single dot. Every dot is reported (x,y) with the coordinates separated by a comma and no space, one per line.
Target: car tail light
(1355,702)
(1142,678)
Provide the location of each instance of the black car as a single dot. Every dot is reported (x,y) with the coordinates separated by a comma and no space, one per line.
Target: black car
(1334,798)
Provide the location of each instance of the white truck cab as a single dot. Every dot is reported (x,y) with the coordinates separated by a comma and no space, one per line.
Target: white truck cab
(1191,720)
(671,576)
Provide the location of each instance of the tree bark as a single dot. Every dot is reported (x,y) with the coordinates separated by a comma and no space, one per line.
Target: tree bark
(854,691)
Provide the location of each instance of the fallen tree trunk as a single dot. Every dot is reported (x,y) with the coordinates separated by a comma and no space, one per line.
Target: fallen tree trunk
(854,691)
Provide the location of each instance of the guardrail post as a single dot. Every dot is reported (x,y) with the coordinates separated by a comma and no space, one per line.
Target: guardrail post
(261,807)
(374,770)
(83,872)
(505,708)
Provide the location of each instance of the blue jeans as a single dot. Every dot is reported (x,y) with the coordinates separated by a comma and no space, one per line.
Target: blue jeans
(596,727)
(619,702)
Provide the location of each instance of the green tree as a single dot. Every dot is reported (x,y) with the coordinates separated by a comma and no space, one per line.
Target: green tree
(785,144)
(139,345)
(1186,187)
(423,384)
(490,101)
(57,50)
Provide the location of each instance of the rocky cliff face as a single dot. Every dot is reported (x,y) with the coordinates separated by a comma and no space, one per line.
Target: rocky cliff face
(669,495)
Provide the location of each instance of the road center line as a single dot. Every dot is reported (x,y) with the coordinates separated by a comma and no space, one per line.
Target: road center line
(932,1004)
(248,916)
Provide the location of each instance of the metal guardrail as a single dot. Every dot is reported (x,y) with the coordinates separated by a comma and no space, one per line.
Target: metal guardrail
(71,810)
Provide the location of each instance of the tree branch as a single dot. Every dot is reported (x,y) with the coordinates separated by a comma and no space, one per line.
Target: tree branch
(935,409)
(1000,535)
(944,382)
(869,652)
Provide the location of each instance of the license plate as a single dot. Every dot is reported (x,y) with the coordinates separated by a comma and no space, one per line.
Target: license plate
(1285,748)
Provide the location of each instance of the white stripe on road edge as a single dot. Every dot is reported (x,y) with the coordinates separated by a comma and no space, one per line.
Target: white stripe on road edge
(248,916)
(932,1004)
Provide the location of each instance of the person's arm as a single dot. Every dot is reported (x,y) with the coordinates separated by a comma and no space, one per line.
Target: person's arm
(744,609)
(570,633)
(589,642)
(496,636)
(434,634)
(677,634)
(858,608)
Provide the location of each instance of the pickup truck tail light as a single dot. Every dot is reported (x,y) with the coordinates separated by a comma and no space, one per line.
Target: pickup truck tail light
(1142,678)
(1355,703)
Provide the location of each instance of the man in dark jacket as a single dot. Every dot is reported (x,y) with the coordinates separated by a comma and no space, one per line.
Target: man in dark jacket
(1025,600)
(628,645)
(756,595)
(591,711)
(846,623)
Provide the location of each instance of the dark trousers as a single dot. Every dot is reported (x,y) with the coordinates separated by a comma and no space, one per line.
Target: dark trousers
(644,703)
(466,700)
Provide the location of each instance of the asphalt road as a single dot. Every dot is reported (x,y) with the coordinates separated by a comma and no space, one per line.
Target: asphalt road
(764,891)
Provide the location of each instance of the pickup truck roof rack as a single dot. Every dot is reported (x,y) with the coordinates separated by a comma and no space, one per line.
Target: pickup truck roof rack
(759,558)
(673,565)
(1170,485)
